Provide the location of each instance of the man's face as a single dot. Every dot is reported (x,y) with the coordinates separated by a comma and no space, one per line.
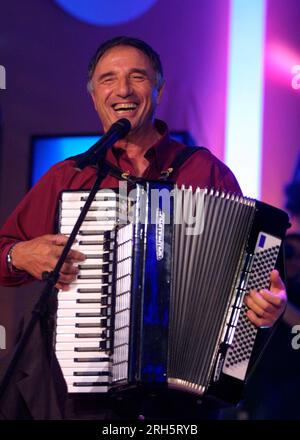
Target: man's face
(124,86)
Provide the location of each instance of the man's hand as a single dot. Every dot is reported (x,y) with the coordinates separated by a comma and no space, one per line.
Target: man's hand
(265,306)
(41,254)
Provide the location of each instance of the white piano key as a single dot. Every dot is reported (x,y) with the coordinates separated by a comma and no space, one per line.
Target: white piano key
(97,210)
(73,321)
(79,195)
(84,356)
(73,288)
(72,304)
(64,329)
(70,363)
(96,204)
(71,312)
(89,223)
(97,259)
(80,343)
(91,272)
(70,371)
(90,341)
(89,389)
(74,294)
(88,246)
(83,379)
(88,281)
(100,228)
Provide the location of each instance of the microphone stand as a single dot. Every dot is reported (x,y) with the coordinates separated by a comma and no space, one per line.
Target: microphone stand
(51,278)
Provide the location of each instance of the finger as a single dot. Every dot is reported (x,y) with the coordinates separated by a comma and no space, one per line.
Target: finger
(62,286)
(66,278)
(276,283)
(69,268)
(277,299)
(261,312)
(257,321)
(59,239)
(75,256)
(260,301)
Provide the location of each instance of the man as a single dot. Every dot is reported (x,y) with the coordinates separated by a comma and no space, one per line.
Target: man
(125,80)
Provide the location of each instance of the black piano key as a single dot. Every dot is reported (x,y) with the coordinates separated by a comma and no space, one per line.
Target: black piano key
(90,243)
(89,325)
(89,290)
(92,266)
(91,373)
(87,349)
(88,335)
(90,232)
(91,359)
(103,334)
(93,256)
(104,301)
(90,384)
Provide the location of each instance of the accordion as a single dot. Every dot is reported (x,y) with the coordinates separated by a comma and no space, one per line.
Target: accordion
(159,298)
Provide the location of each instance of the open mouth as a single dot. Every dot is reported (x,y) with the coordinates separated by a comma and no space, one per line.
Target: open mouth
(125,107)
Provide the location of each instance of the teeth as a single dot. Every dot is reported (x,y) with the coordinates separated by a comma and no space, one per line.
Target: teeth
(125,106)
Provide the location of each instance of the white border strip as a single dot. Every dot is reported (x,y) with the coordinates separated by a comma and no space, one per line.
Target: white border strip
(243,136)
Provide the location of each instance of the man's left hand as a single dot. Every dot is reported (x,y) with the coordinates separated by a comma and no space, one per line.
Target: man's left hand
(266,306)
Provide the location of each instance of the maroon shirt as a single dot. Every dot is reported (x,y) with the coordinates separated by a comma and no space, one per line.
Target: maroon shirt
(36,213)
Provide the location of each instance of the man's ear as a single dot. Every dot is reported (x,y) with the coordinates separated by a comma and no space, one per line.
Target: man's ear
(94,99)
(160,92)
(91,92)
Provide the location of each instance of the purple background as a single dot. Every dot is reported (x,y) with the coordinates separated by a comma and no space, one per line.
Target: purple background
(45,52)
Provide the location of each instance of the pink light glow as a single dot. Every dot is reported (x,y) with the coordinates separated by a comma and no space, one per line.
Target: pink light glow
(282,64)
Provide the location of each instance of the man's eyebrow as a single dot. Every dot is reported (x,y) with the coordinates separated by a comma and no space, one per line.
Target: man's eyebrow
(138,70)
(110,74)
(105,75)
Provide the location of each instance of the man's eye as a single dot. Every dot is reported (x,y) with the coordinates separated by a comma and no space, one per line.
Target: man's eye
(138,77)
(107,80)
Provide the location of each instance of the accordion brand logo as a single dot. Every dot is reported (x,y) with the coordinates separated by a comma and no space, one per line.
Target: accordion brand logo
(296,338)
(2,338)
(160,232)
(2,78)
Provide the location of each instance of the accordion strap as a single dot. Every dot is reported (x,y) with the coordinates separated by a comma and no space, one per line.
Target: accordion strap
(179,160)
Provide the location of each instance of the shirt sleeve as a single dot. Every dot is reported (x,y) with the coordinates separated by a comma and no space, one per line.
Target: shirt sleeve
(33,217)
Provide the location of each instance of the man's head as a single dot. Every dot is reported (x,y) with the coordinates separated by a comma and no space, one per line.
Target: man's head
(125,80)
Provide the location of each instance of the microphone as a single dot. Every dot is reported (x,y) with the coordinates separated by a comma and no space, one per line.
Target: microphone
(118,130)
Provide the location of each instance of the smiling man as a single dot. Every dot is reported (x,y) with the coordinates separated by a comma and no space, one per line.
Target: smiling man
(125,79)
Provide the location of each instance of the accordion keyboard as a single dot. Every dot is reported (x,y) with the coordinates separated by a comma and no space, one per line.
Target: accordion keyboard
(84,311)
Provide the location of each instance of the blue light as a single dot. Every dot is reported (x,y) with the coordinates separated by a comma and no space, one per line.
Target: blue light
(50,150)
(245,93)
(106,12)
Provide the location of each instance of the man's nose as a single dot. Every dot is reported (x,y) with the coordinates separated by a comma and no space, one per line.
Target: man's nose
(124,87)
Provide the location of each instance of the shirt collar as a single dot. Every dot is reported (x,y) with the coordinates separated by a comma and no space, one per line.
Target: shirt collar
(159,152)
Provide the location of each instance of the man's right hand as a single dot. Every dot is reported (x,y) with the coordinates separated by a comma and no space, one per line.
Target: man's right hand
(41,254)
